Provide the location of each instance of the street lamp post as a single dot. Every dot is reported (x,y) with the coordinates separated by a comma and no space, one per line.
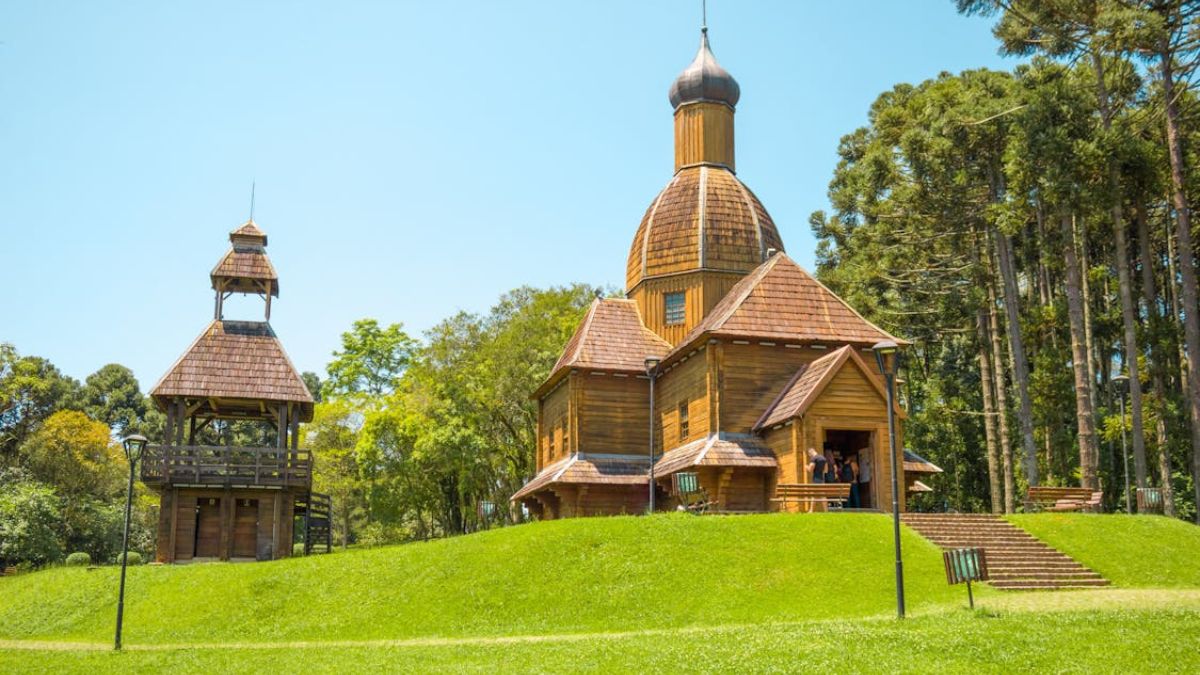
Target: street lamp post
(1122,382)
(134,445)
(887,356)
(652,373)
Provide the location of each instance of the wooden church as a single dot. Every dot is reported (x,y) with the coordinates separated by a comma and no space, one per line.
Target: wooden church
(228,502)
(757,361)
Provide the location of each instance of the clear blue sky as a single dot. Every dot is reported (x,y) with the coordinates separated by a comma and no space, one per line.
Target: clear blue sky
(412,160)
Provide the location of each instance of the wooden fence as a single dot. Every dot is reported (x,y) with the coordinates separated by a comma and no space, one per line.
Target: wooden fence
(217,465)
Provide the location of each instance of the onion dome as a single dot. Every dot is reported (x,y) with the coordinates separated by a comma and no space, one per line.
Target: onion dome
(705,219)
(704,80)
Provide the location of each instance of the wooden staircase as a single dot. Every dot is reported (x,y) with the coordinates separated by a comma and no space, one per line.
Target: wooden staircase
(317,511)
(1016,559)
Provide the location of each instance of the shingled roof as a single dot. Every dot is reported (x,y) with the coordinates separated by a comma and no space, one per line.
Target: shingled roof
(780,301)
(236,360)
(914,463)
(246,264)
(611,338)
(717,450)
(589,468)
(809,382)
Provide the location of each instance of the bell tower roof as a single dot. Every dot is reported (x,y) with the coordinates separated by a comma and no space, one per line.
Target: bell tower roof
(704,80)
(246,267)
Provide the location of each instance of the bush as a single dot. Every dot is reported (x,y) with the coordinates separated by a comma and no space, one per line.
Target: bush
(297,549)
(135,558)
(30,522)
(79,559)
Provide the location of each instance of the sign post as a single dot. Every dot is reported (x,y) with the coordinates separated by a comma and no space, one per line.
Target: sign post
(964,565)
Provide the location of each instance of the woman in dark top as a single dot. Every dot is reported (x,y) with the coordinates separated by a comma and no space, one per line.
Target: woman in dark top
(831,475)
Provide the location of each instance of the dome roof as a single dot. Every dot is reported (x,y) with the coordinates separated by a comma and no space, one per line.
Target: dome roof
(704,219)
(704,80)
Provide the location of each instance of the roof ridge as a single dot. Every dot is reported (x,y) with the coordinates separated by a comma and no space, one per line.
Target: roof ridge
(762,419)
(762,251)
(700,209)
(650,220)
(583,331)
(752,281)
(207,330)
(844,303)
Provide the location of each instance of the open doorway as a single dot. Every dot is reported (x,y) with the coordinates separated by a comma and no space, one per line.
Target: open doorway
(858,448)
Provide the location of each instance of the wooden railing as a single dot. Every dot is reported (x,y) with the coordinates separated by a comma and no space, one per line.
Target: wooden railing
(217,465)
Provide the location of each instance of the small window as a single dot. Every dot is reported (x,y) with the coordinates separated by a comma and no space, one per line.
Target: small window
(674,308)
(552,430)
(683,421)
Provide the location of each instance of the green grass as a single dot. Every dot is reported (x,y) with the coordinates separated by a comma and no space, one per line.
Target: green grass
(598,574)
(672,592)
(960,641)
(1130,551)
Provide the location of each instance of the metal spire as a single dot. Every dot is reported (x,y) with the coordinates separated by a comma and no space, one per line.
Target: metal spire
(703,16)
(252,185)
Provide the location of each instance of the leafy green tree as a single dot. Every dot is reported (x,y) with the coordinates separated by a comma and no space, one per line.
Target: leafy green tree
(371,361)
(75,454)
(30,520)
(31,389)
(312,382)
(111,395)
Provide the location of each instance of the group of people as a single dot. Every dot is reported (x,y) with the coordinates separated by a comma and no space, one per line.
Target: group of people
(831,467)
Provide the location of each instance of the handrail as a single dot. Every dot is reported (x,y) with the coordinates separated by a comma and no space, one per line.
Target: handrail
(226,465)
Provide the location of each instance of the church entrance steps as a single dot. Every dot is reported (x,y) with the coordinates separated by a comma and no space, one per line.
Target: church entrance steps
(1016,559)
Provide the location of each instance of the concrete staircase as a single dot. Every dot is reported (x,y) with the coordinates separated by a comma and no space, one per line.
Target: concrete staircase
(1016,559)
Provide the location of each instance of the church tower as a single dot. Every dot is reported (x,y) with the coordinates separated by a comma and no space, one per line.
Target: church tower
(705,230)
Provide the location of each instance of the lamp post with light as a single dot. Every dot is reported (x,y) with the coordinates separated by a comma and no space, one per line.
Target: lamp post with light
(651,372)
(1122,383)
(887,356)
(134,446)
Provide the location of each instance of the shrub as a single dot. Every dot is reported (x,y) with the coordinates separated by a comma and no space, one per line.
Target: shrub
(79,559)
(297,549)
(135,558)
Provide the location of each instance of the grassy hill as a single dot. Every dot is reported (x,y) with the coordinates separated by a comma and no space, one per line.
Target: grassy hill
(771,592)
(1130,551)
(576,575)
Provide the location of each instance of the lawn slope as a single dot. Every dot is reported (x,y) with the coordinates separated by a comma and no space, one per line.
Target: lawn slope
(584,575)
(1130,551)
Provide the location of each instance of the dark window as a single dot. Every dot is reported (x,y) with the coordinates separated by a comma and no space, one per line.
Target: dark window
(674,308)
(683,421)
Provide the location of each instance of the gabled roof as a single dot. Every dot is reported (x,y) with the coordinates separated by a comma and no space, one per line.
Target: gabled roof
(809,382)
(717,450)
(914,463)
(611,337)
(780,301)
(590,468)
(236,360)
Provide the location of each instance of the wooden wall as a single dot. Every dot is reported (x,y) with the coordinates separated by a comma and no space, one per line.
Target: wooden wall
(686,381)
(703,290)
(553,424)
(753,375)
(614,415)
(597,500)
(224,524)
(704,134)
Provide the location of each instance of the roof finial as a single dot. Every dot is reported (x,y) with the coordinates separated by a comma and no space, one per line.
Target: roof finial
(252,185)
(703,16)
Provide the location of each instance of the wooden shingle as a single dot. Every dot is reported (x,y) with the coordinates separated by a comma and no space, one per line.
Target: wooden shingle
(726,450)
(235,360)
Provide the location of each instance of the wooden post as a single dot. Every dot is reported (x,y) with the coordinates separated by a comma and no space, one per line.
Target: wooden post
(174,524)
(295,429)
(192,430)
(169,427)
(278,510)
(227,515)
(267,285)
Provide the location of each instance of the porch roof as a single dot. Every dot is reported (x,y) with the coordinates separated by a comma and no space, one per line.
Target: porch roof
(717,450)
(589,468)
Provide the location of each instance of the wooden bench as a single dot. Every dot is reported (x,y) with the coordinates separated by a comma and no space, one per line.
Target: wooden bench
(1063,499)
(686,487)
(1150,500)
(830,494)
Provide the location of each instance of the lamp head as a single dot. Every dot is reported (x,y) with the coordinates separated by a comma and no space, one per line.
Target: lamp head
(652,363)
(886,352)
(134,445)
(1121,381)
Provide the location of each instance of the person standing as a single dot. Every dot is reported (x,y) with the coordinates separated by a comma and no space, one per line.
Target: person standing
(816,466)
(849,474)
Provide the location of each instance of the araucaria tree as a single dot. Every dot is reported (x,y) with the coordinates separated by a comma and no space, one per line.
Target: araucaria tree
(1030,231)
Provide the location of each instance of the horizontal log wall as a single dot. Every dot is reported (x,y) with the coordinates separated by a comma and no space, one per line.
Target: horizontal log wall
(614,415)
(687,381)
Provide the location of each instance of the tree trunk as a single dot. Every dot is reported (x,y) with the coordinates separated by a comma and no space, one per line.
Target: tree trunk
(1187,265)
(1084,413)
(1006,452)
(1150,299)
(989,409)
(1079,236)
(1016,351)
